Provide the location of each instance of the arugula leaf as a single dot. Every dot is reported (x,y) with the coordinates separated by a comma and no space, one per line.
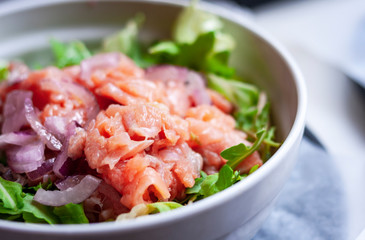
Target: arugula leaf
(208,185)
(236,154)
(4,70)
(71,213)
(197,185)
(225,178)
(253,169)
(69,54)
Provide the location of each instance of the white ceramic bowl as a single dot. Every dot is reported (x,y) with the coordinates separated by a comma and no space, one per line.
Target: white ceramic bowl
(26,27)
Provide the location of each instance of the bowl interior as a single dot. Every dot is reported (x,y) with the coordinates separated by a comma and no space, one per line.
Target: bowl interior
(26,33)
(28,26)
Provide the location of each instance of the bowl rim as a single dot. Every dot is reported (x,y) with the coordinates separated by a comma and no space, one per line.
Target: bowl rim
(151,221)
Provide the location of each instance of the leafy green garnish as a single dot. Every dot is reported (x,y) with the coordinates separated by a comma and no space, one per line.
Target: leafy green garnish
(69,54)
(48,185)
(4,70)
(253,169)
(198,55)
(165,47)
(242,95)
(71,213)
(146,209)
(160,207)
(10,197)
(236,154)
(36,212)
(15,204)
(198,43)
(191,23)
(252,112)
(208,185)
(191,55)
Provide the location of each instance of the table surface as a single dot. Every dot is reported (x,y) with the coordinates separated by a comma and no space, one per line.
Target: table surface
(318,34)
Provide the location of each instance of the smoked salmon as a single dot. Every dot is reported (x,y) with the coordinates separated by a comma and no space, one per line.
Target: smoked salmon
(146,133)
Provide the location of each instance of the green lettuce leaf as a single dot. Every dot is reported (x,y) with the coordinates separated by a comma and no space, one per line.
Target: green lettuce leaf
(35,212)
(71,213)
(4,70)
(198,43)
(18,205)
(159,207)
(11,201)
(198,55)
(146,209)
(191,23)
(69,54)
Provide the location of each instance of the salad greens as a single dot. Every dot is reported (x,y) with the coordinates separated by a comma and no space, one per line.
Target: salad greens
(146,209)
(69,54)
(18,205)
(236,154)
(208,185)
(4,70)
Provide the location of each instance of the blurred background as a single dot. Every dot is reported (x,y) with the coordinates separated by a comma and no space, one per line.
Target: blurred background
(327,40)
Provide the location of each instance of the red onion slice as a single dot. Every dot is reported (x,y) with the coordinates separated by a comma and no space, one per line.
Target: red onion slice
(63,155)
(70,181)
(14,112)
(17,138)
(56,126)
(75,194)
(46,137)
(44,169)
(194,82)
(25,158)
